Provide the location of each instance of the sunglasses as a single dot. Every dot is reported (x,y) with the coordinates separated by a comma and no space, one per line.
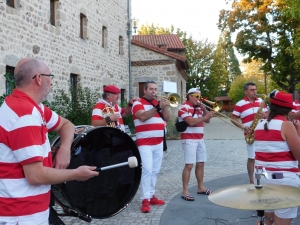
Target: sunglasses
(196,95)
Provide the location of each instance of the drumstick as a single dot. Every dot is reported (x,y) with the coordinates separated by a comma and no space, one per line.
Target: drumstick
(132,162)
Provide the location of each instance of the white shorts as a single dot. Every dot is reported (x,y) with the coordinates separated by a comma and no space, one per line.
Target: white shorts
(251,151)
(194,151)
(292,181)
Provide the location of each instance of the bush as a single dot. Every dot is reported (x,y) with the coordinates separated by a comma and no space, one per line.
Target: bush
(77,108)
(128,120)
(11,85)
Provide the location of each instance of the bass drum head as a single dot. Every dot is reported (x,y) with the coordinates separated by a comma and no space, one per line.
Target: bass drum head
(107,194)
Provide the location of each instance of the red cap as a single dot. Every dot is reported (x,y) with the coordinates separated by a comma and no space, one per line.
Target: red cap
(112,89)
(282,99)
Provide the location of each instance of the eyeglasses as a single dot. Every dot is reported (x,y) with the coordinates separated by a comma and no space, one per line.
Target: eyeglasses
(47,75)
(197,96)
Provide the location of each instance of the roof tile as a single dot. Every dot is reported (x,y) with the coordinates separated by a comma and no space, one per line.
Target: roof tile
(172,41)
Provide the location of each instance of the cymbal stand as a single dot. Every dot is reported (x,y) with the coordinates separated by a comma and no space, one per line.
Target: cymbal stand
(261,214)
(258,174)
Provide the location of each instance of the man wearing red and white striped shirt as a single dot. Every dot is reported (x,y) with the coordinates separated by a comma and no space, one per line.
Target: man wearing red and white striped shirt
(194,113)
(277,150)
(26,172)
(246,109)
(149,116)
(106,112)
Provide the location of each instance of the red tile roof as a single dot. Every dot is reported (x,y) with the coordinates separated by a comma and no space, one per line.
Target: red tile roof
(182,59)
(172,41)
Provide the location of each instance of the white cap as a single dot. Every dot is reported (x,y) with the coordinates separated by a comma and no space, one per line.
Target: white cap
(192,90)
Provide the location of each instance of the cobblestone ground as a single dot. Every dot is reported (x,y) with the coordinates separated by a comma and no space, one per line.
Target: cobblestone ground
(226,153)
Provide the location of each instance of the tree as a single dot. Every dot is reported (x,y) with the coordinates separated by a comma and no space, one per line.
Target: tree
(265,32)
(151,29)
(252,72)
(211,68)
(225,67)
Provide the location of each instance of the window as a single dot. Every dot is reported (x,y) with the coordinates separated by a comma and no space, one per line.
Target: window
(9,83)
(52,12)
(10,3)
(83,26)
(104,37)
(141,89)
(121,45)
(74,87)
(122,95)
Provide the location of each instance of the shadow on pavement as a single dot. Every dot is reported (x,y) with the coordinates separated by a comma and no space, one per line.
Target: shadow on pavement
(203,212)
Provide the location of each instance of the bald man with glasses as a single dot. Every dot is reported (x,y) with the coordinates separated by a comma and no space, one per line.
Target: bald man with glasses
(27,169)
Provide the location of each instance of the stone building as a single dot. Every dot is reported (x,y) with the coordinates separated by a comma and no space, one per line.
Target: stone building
(81,41)
(159,58)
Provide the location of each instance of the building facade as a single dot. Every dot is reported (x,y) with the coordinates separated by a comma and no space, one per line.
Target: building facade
(83,42)
(159,58)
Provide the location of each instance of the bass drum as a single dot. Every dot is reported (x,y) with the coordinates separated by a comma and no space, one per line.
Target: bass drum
(107,194)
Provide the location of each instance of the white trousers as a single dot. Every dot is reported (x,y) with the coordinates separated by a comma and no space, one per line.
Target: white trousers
(151,162)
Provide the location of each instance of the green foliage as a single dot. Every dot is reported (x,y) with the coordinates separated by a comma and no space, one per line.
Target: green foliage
(151,29)
(11,85)
(128,120)
(77,108)
(266,31)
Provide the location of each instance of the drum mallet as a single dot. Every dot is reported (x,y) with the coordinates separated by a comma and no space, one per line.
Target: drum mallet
(132,162)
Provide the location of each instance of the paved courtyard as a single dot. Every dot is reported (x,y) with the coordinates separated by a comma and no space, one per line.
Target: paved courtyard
(226,152)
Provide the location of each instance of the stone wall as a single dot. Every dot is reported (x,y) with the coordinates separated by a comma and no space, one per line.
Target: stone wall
(159,73)
(25,31)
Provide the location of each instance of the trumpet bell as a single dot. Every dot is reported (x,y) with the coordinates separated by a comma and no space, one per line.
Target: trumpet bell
(174,100)
(216,106)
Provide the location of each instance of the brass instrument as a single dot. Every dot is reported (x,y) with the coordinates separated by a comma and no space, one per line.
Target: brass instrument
(217,107)
(173,98)
(107,111)
(250,136)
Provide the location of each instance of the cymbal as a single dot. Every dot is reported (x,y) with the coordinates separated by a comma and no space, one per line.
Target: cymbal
(247,197)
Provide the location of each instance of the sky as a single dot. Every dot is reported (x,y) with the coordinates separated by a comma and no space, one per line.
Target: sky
(197,17)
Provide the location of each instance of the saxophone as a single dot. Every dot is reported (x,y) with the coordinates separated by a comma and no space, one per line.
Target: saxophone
(250,136)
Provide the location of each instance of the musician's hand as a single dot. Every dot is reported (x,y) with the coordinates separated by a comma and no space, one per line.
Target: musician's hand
(134,99)
(85,172)
(62,158)
(202,106)
(247,130)
(163,103)
(114,116)
(208,115)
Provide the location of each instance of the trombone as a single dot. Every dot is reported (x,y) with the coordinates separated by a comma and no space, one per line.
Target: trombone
(217,107)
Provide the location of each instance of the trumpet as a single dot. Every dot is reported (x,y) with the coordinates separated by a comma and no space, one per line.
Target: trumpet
(173,98)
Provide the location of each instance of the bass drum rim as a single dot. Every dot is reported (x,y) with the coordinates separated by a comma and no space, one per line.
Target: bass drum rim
(63,198)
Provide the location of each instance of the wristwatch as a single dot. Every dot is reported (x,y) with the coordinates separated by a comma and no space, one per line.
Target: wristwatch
(157,108)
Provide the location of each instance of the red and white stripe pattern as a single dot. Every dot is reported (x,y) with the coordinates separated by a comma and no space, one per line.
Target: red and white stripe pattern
(99,112)
(191,133)
(150,132)
(24,127)
(296,103)
(271,150)
(247,110)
